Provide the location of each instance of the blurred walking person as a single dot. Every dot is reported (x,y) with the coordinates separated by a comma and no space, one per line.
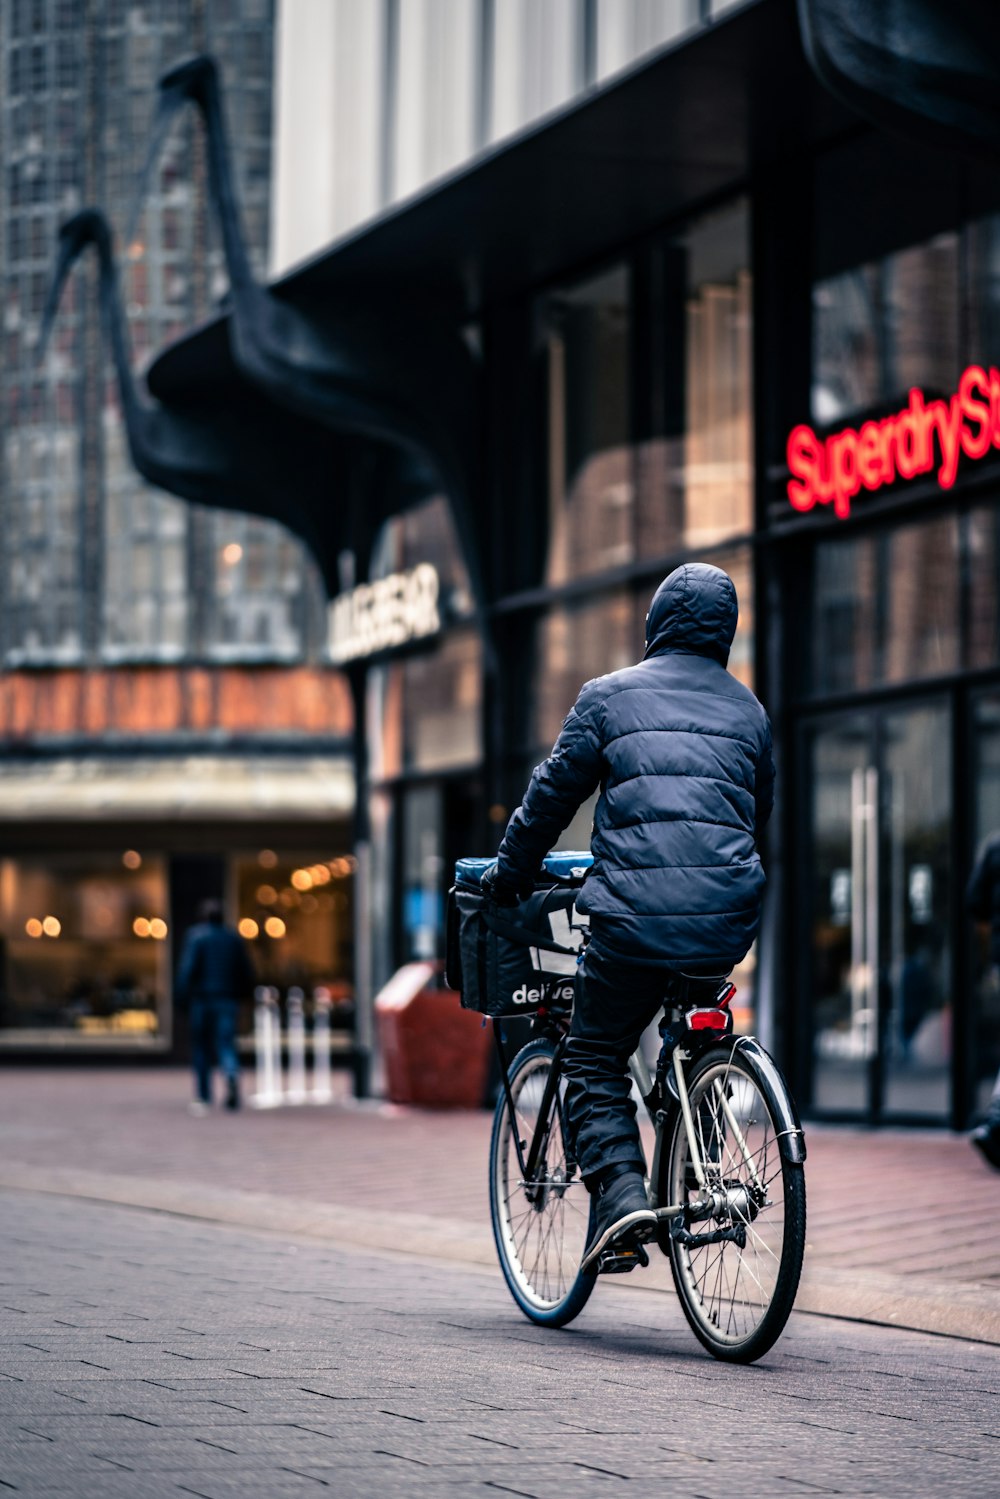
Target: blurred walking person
(215,972)
(983,900)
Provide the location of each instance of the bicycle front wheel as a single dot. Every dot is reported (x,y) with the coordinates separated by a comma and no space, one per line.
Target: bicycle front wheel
(736,1254)
(542,1227)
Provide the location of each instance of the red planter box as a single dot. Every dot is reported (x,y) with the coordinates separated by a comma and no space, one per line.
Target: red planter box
(436,1054)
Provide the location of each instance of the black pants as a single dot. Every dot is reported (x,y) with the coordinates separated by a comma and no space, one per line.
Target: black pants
(615,1002)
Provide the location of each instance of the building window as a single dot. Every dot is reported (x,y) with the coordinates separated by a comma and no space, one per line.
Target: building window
(882,327)
(572,645)
(427,534)
(264,591)
(695,469)
(591,487)
(294,909)
(84,947)
(425,711)
(886,607)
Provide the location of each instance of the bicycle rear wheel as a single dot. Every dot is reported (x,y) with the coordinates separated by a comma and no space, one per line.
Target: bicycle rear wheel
(541,1229)
(736,1296)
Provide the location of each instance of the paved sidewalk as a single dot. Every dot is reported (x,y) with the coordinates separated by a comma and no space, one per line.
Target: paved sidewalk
(141,1359)
(904,1227)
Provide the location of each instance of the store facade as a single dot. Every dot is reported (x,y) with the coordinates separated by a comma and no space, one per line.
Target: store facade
(710,351)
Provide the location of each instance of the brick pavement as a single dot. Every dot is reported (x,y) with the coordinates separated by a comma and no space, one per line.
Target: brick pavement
(904,1227)
(145,1357)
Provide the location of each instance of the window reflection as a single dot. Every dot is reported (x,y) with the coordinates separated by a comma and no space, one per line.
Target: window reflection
(983,550)
(716,480)
(83,946)
(886,607)
(426,534)
(591,485)
(882,327)
(425,710)
(574,644)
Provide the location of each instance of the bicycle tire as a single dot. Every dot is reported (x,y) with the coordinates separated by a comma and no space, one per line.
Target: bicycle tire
(736,1300)
(540,1239)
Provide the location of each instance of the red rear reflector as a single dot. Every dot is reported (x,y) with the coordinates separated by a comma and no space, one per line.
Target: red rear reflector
(707,1020)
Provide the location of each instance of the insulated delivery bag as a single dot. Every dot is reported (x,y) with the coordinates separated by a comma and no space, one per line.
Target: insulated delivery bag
(510,960)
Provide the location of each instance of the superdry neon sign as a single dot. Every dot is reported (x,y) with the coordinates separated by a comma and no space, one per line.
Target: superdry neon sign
(923,436)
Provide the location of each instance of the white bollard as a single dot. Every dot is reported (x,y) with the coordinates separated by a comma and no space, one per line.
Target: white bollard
(268,1091)
(296,1025)
(322,1091)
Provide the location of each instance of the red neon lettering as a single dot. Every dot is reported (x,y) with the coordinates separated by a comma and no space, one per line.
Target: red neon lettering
(975,382)
(995,404)
(803,457)
(834,469)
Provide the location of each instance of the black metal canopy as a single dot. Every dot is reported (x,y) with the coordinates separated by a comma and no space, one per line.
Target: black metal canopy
(690,125)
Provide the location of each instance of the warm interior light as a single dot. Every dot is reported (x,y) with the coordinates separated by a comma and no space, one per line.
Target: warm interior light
(302,879)
(231,553)
(267,858)
(266,895)
(33,927)
(248,928)
(274,926)
(158,928)
(51,926)
(131,859)
(140,926)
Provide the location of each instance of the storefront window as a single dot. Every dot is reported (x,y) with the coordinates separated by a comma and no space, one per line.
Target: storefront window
(983,550)
(425,710)
(986,1025)
(886,607)
(574,644)
(738,563)
(709,389)
(84,947)
(426,534)
(294,910)
(423,866)
(982,263)
(882,327)
(590,480)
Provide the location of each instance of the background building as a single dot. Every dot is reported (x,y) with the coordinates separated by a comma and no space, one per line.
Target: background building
(660,248)
(165,714)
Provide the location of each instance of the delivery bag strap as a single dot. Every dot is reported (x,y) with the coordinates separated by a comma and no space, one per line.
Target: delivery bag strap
(501,928)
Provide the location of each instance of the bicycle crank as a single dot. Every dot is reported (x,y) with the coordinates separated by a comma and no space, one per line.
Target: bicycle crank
(735,1235)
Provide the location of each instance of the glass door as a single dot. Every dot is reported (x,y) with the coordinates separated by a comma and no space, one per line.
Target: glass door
(880,922)
(844,934)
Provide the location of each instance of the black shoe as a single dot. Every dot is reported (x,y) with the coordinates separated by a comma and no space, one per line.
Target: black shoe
(986,1139)
(624,1217)
(233,1094)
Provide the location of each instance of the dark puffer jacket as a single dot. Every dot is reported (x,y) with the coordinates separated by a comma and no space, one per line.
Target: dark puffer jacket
(682,754)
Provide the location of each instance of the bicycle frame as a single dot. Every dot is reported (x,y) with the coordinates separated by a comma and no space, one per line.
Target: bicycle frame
(790,1138)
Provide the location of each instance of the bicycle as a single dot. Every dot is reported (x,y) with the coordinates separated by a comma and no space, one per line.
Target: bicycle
(726,1179)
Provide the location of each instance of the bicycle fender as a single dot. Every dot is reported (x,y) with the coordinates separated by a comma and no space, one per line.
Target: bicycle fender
(791,1139)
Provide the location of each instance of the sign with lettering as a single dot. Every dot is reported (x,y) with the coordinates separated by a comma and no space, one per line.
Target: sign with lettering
(924,436)
(383,615)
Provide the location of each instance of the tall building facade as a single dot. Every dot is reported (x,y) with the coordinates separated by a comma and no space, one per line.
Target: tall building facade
(165,712)
(714,315)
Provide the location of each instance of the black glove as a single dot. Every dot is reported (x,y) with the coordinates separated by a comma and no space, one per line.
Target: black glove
(496,889)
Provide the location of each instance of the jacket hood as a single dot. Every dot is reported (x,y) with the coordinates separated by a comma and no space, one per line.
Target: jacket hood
(694,609)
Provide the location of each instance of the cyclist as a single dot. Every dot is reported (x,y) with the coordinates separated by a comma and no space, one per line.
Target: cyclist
(681,752)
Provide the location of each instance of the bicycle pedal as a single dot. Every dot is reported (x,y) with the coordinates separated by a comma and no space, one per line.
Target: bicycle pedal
(621,1261)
